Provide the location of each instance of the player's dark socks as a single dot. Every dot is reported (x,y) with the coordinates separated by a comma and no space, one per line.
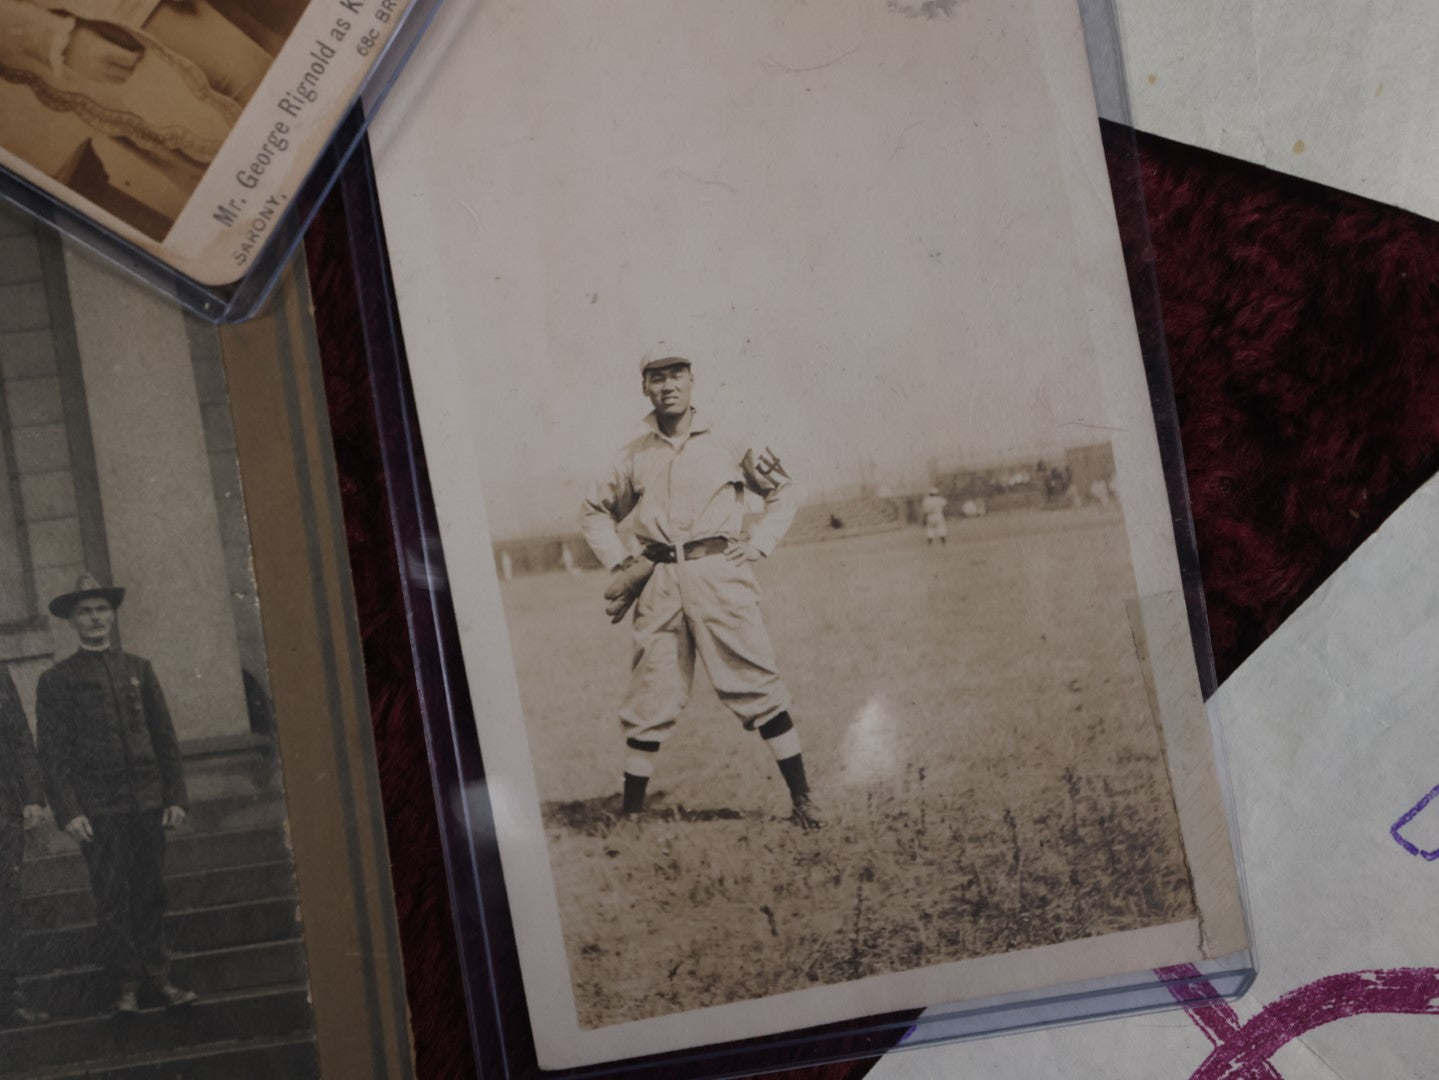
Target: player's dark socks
(792,769)
(783,741)
(634,793)
(639,767)
(776,726)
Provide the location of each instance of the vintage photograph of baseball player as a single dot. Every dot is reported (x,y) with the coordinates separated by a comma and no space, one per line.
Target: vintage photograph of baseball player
(825,650)
(689,504)
(147,887)
(795,721)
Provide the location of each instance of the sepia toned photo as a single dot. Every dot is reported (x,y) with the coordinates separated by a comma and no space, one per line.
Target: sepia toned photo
(127,102)
(804,514)
(183,128)
(896,721)
(150,911)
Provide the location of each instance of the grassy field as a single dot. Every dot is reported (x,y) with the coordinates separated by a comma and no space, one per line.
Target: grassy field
(976,728)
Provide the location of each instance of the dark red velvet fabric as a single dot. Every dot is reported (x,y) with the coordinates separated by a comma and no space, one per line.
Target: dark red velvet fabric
(1302,327)
(1303,331)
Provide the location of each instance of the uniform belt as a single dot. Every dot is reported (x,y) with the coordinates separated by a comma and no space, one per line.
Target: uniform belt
(693,549)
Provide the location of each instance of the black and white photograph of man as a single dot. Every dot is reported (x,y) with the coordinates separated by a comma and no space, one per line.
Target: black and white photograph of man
(112,768)
(148,919)
(21,809)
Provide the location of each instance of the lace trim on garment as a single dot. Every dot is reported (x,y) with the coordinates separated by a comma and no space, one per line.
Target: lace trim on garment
(123,123)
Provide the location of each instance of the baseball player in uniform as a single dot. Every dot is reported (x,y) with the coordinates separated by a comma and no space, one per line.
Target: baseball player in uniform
(683,482)
(935,527)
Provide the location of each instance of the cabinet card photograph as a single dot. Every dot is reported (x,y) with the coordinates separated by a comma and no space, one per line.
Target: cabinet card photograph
(185,126)
(157,801)
(803,512)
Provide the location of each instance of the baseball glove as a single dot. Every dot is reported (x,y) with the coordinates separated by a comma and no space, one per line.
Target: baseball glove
(626,584)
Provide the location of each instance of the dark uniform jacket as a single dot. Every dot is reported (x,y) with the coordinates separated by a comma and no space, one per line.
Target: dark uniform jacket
(106,742)
(19,769)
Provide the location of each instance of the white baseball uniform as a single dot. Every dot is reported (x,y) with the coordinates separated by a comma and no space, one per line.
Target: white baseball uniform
(935,526)
(683,489)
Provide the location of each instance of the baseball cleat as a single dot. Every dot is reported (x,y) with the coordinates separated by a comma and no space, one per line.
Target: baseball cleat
(806,814)
(628,826)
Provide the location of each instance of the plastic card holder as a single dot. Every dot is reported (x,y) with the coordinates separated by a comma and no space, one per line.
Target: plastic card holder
(191,143)
(1087,867)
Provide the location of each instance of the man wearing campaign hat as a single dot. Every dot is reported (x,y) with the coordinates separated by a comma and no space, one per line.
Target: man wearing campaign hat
(112,769)
(683,482)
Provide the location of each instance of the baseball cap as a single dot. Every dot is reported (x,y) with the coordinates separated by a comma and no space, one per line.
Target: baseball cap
(663,355)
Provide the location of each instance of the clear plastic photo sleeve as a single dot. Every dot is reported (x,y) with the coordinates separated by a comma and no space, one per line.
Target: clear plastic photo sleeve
(189,142)
(802,587)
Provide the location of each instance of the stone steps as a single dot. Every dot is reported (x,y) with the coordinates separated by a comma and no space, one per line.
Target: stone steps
(211,1028)
(290,1057)
(186,853)
(210,888)
(189,930)
(234,935)
(88,991)
(225,814)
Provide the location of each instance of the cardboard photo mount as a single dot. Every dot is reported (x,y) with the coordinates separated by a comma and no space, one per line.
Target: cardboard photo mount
(227,229)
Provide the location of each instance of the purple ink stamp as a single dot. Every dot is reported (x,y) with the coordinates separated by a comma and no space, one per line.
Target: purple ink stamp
(1409,815)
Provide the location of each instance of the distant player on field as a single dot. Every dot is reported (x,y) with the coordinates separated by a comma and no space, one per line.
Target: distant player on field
(684,481)
(932,510)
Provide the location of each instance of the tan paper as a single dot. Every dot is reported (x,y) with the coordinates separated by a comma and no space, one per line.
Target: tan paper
(882,233)
(184,126)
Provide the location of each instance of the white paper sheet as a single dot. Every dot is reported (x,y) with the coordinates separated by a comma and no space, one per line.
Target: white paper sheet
(1330,730)
(1343,92)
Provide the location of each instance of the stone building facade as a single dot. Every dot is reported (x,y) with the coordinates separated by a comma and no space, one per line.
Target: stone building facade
(117,456)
